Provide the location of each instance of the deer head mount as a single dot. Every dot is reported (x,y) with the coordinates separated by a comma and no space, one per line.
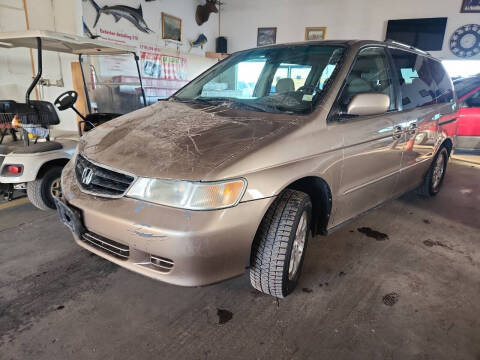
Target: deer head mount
(204,11)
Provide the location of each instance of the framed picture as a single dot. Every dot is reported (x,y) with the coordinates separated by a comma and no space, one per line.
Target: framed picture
(266,36)
(470,6)
(171,27)
(315,33)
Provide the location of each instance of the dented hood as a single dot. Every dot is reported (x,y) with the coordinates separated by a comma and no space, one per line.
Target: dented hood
(173,140)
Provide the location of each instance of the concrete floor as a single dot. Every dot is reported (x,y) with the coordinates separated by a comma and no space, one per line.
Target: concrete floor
(58,301)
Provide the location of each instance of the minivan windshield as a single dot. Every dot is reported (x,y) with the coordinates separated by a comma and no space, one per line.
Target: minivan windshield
(288,79)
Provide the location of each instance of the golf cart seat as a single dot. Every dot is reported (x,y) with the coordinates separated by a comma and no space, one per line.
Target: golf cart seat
(38,113)
(33,148)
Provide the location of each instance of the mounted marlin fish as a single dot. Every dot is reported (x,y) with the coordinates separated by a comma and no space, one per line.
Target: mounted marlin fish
(135,16)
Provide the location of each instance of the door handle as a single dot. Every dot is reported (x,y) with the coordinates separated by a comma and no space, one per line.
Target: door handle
(412,129)
(397,132)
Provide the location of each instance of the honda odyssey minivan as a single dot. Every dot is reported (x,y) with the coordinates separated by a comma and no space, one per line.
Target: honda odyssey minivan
(222,177)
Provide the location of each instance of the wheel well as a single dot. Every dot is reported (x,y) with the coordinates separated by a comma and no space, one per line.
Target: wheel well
(321,198)
(449,145)
(49,164)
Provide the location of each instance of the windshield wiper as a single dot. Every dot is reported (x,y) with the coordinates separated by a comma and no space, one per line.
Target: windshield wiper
(217,101)
(193,101)
(240,104)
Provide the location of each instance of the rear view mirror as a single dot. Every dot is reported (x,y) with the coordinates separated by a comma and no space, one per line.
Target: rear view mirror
(369,104)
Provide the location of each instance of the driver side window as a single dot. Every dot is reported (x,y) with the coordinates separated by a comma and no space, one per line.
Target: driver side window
(370,74)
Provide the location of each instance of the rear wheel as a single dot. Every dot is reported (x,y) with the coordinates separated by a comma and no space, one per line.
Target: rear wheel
(435,175)
(41,191)
(280,243)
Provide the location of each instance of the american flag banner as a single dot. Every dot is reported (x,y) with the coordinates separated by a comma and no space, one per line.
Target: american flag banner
(161,66)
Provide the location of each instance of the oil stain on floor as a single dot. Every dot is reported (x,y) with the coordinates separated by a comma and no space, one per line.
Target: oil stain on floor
(377,235)
(224,316)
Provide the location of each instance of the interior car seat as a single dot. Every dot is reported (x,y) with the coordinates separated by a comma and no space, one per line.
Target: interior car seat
(284,85)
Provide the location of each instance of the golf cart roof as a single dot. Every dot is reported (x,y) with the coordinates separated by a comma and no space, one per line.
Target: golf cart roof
(60,42)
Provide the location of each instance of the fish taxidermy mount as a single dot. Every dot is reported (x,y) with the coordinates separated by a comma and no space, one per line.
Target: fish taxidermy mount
(203,11)
(87,31)
(135,16)
(201,40)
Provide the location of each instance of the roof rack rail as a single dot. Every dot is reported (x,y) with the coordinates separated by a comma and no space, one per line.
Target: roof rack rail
(406,45)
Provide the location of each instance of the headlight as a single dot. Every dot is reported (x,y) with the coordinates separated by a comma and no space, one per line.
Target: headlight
(189,195)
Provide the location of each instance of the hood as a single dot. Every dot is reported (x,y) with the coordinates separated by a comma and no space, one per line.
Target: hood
(173,140)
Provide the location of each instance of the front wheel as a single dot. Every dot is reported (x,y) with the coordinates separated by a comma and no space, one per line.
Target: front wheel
(41,191)
(279,247)
(435,175)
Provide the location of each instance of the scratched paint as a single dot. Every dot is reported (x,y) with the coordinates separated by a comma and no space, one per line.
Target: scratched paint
(139,207)
(173,140)
(147,235)
(142,230)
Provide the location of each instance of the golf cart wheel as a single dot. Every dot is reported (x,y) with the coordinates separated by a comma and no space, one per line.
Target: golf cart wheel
(41,191)
(435,175)
(280,243)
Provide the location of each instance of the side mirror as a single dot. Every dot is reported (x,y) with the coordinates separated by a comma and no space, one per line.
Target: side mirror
(369,104)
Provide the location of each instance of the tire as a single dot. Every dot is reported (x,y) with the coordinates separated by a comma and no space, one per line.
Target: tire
(436,173)
(40,191)
(271,271)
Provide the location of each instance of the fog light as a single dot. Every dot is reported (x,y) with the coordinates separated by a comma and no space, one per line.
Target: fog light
(161,262)
(14,169)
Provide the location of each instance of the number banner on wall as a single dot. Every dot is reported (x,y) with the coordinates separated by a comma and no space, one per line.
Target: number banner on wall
(155,65)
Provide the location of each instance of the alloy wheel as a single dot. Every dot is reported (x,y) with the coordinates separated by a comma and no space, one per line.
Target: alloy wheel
(438,171)
(56,189)
(298,246)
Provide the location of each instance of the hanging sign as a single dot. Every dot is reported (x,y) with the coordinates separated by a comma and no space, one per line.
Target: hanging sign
(160,66)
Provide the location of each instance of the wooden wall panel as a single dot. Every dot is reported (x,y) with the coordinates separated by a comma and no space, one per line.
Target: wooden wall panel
(81,103)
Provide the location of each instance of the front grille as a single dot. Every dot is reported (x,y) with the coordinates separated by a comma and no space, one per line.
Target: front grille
(111,247)
(103,182)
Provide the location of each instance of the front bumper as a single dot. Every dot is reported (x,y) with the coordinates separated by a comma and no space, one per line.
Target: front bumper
(204,246)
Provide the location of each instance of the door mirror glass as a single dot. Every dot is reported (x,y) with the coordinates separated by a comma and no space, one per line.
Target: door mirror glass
(369,104)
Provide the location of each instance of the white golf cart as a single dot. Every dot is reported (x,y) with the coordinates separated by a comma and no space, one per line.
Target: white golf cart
(32,153)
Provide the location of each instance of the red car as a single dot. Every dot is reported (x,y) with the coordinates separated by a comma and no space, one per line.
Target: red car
(468,116)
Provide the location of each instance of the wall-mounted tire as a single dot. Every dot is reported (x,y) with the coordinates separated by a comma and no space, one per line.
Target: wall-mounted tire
(40,191)
(277,244)
(435,175)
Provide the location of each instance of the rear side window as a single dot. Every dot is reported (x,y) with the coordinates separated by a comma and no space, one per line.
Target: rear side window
(370,74)
(416,80)
(465,86)
(473,101)
(444,93)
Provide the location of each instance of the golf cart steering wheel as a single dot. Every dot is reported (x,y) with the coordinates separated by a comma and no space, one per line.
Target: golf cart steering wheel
(66,100)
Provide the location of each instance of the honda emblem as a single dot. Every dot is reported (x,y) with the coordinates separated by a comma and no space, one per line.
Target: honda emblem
(87,176)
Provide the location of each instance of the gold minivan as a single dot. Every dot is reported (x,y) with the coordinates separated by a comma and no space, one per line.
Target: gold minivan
(271,145)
